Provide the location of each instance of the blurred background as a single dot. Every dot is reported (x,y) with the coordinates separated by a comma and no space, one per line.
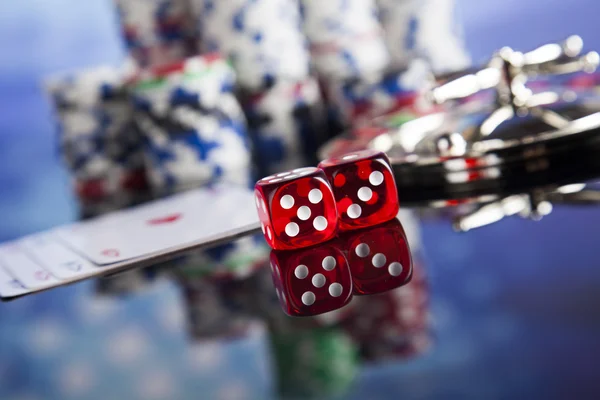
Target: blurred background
(513,305)
(41,37)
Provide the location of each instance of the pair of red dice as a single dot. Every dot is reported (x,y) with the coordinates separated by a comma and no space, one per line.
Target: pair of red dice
(308,206)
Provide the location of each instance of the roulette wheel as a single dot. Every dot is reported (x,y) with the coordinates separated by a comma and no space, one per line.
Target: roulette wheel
(511,137)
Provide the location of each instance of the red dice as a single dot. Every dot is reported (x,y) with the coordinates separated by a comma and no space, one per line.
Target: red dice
(364,188)
(311,281)
(379,258)
(296,208)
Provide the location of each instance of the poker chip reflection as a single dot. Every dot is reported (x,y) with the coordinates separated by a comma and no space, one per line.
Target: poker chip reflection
(209,314)
(394,324)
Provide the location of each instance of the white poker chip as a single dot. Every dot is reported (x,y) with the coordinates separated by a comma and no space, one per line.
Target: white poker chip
(346,39)
(157,31)
(424,28)
(262,39)
(195,129)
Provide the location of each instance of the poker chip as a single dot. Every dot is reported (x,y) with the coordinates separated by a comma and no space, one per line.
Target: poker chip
(426,29)
(157,32)
(216,288)
(286,123)
(194,129)
(438,36)
(357,102)
(98,140)
(262,39)
(400,23)
(346,39)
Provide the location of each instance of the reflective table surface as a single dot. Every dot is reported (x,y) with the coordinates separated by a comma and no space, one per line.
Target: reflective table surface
(505,311)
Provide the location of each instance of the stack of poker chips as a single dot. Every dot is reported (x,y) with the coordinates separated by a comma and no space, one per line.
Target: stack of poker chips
(190,120)
(264,41)
(427,29)
(213,288)
(371,56)
(157,32)
(195,134)
(98,140)
(399,21)
(346,39)
(285,123)
(394,324)
(359,102)
(314,363)
(194,129)
(347,49)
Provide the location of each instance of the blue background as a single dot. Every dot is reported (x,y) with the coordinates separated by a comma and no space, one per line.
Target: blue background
(513,304)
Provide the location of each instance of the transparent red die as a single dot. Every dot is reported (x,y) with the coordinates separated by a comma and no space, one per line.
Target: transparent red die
(364,188)
(296,209)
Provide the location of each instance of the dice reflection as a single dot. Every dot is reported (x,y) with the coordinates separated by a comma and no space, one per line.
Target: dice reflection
(324,278)
(321,356)
(312,357)
(379,258)
(312,281)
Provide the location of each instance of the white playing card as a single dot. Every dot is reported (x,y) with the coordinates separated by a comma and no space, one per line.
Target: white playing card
(9,286)
(199,217)
(126,239)
(19,265)
(55,257)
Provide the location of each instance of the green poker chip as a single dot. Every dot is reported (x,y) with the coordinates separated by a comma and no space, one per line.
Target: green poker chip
(398,119)
(159,83)
(315,363)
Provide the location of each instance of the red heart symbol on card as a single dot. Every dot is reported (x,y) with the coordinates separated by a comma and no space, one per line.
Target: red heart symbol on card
(110,253)
(164,220)
(42,275)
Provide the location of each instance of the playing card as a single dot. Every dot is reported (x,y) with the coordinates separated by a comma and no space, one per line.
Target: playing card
(55,257)
(20,266)
(9,286)
(199,217)
(136,237)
